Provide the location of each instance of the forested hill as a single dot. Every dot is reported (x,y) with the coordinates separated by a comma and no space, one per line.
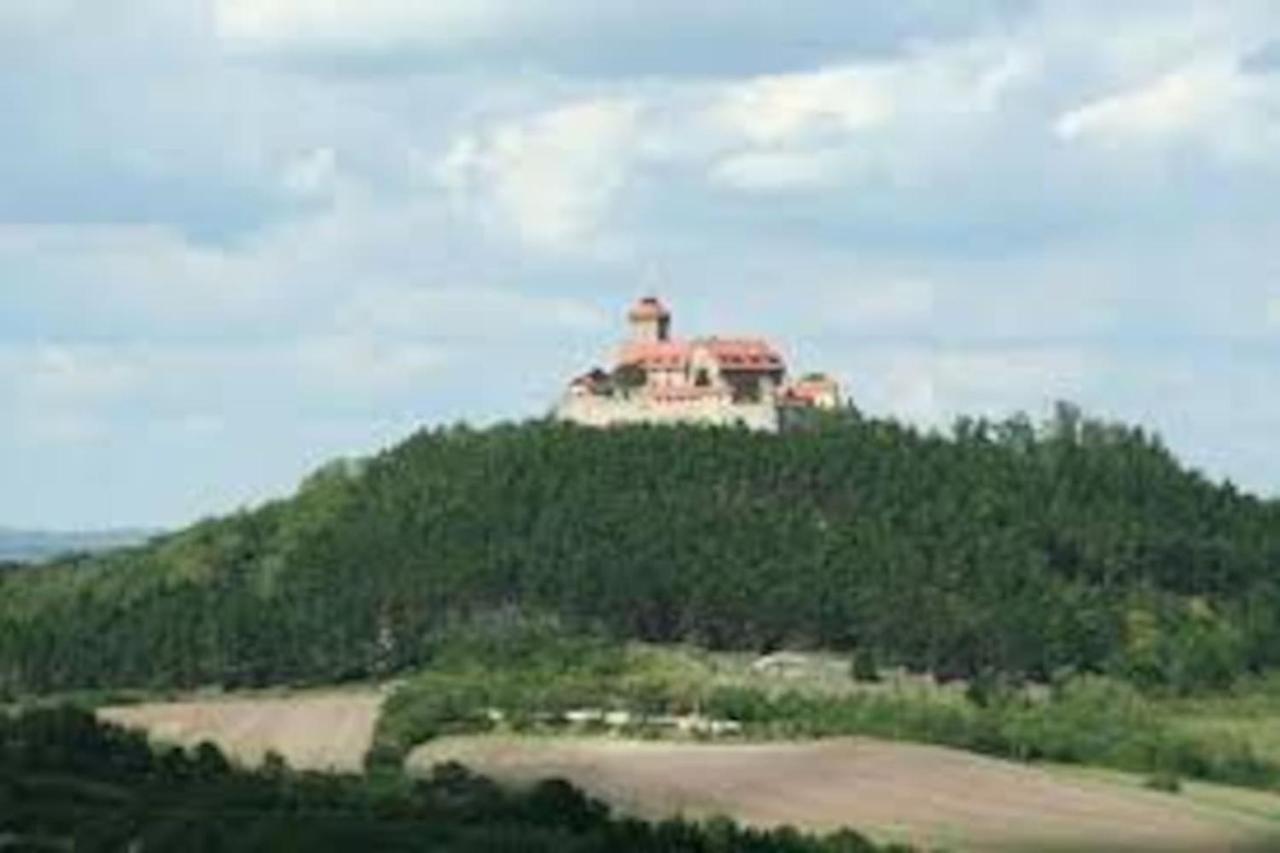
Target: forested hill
(1025,549)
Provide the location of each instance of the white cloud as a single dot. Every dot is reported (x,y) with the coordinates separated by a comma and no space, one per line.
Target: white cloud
(362,364)
(776,108)
(778,170)
(312,174)
(1179,101)
(933,385)
(894,381)
(932,81)
(60,394)
(477,313)
(1000,380)
(893,214)
(131,273)
(369,23)
(552,176)
(826,127)
(1211,103)
(658,37)
(68,376)
(879,307)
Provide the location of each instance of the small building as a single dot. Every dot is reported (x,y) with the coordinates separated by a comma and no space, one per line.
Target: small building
(656,378)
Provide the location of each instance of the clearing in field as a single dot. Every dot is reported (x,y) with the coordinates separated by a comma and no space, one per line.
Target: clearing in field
(893,791)
(316,731)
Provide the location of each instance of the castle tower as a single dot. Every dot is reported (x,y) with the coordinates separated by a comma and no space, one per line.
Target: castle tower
(650,320)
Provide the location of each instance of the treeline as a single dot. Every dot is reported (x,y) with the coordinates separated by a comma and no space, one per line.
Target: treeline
(68,782)
(1011,547)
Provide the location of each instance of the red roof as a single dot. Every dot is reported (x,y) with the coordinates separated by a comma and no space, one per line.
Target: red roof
(743,353)
(811,391)
(656,355)
(740,354)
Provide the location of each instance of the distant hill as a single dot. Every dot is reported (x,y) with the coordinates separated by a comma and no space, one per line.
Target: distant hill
(1010,547)
(27,546)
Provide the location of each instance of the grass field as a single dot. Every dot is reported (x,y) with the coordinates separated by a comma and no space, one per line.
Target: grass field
(1250,713)
(894,791)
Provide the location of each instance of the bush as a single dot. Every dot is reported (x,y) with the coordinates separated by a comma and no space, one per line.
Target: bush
(511,640)
(1165,781)
(862,666)
(384,757)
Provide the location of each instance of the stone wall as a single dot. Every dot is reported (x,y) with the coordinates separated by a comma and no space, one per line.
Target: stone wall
(608,411)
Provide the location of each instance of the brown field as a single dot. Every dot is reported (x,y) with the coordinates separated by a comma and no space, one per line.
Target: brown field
(317,731)
(892,791)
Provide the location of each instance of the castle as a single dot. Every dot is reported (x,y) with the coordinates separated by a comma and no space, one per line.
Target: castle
(659,379)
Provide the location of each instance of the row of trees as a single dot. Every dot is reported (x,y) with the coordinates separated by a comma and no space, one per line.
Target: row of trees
(1007,546)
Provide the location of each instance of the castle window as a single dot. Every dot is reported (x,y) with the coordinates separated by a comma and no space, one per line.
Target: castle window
(702,379)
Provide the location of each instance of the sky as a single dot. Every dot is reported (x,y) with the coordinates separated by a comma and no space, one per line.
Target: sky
(241,237)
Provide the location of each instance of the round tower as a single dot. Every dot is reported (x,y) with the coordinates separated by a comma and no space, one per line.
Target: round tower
(650,320)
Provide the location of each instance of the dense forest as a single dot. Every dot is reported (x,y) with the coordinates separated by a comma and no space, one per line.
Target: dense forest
(68,782)
(1012,547)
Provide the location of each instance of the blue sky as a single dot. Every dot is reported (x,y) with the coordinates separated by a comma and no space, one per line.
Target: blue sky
(239,237)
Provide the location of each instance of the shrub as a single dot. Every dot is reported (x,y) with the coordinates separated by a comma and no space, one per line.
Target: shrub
(1165,781)
(862,666)
(384,757)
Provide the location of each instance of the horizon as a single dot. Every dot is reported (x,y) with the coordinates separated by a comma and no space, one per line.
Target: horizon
(244,237)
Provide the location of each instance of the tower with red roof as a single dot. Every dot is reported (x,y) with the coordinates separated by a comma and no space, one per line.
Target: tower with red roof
(650,320)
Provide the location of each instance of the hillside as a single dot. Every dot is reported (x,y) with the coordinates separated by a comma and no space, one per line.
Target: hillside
(1001,546)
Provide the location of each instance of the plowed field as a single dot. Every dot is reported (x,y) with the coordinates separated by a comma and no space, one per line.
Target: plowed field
(320,731)
(894,791)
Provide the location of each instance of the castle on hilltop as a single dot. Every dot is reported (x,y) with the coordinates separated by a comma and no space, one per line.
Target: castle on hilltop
(659,379)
